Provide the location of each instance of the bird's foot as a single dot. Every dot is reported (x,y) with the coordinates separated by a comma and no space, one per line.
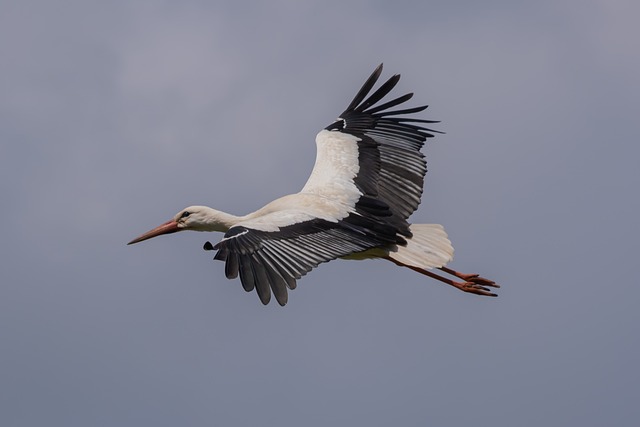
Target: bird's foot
(476,279)
(477,285)
(472,282)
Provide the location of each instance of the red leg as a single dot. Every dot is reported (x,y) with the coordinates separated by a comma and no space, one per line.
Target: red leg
(472,282)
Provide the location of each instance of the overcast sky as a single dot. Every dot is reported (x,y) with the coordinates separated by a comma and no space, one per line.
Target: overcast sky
(116,115)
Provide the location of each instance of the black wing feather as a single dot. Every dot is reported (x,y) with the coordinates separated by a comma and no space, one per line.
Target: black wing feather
(366,88)
(400,100)
(379,94)
(392,168)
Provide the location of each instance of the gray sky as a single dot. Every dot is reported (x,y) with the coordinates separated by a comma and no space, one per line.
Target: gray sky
(115,115)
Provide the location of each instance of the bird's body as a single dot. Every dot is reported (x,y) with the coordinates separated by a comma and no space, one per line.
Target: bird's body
(366,182)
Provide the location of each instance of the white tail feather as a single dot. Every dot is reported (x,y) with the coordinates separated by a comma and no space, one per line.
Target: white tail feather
(428,248)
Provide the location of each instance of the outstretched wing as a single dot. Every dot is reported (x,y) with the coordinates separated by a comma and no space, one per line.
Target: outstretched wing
(384,162)
(272,261)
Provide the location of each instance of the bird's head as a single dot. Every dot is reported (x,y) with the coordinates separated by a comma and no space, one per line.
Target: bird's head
(196,218)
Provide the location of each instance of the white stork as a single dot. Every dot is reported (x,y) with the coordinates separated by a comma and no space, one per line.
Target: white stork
(366,182)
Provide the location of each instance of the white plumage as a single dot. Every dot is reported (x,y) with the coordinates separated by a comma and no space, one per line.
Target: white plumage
(367,180)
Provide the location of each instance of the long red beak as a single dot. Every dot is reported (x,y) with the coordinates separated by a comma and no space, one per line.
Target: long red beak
(167,228)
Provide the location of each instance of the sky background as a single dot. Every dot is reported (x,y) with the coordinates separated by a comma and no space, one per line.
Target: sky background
(116,115)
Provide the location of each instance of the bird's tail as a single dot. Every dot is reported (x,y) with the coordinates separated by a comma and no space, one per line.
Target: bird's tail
(428,248)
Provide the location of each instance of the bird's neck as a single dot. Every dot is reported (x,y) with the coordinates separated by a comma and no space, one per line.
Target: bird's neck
(219,221)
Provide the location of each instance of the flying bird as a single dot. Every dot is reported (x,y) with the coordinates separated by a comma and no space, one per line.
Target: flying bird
(367,180)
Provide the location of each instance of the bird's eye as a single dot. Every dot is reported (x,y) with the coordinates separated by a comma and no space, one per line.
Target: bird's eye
(185,214)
